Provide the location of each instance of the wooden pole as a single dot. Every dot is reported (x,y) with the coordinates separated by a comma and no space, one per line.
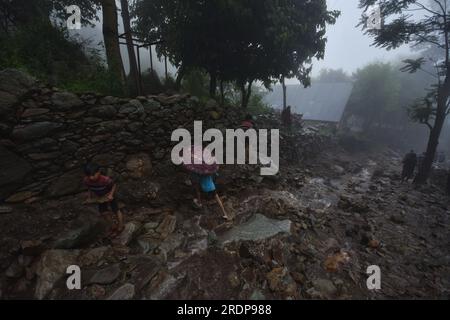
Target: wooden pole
(165,62)
(151,58)
(139,69)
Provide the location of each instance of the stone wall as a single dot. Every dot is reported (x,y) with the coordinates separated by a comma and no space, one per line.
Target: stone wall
(48,134)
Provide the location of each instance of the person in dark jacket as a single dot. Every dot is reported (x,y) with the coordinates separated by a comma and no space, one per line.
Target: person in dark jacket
(448,182)
(409,165)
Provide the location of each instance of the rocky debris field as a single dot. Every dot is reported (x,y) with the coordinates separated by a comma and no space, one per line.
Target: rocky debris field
(309,233)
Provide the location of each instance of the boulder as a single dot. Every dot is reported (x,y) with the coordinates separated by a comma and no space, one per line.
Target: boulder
(323,288)
(13,171)
(138,191)
(69,183)
(125,292)
(106,111)
(139,165)
(167,226)
(256,228)
(89,229)
(105,276)
(144,269)
(93,256)
(13,84)
(128,234)
(32,112)
(51,268)
(132,107)
(21,196)
(66,101)
(34,131)
(109,100)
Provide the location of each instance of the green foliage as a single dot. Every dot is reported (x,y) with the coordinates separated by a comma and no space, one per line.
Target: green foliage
(240,41)
(169,83)
(381,94)
(424,110)
(49,54)
(42,50)
(332,75)
(151,83)
(256,104)
(196,83)
(375,93)
(26,12)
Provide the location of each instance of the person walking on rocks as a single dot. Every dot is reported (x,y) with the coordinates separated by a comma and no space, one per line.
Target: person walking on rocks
(448,182)
(101,190)
(202,176)
(409,165)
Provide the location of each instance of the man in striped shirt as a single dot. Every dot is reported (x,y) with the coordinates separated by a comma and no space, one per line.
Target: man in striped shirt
(102,189)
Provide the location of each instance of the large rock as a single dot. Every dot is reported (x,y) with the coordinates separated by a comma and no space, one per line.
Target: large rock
(51,268)
(69,183)
(89,229)
(93,256)
(35,130)
(105,276)
(32,112)
(323,288)
(138,191)
(106,111)
(13,84)
(139,165)
(21,196)
(279,280)
(109,100)
(65,101)
(258,227)
(133,106)
(128,234)
(144,268)
(13,171)
(167,226)
(125,292)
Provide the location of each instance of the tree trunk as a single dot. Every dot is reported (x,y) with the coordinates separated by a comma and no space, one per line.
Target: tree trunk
(246,94)
(222,93)
(433,141)
(180,75)
(212,85)
(283,84)
(111,39)
(135,77)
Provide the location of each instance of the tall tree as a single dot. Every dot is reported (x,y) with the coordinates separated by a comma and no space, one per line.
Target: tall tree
(332,75)
(24,12)
(429,26)
(252,40)
(111,39)
(136,87)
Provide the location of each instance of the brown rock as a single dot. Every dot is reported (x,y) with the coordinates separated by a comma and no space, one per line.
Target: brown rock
(167,226)
(21,196)
(139,165)
(34,112)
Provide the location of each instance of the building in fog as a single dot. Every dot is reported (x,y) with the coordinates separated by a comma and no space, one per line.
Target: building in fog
(321,102)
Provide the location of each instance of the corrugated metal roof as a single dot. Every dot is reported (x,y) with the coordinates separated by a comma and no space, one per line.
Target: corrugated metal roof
(321,101)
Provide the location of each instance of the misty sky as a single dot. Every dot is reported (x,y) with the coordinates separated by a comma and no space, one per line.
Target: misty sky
(347,47)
